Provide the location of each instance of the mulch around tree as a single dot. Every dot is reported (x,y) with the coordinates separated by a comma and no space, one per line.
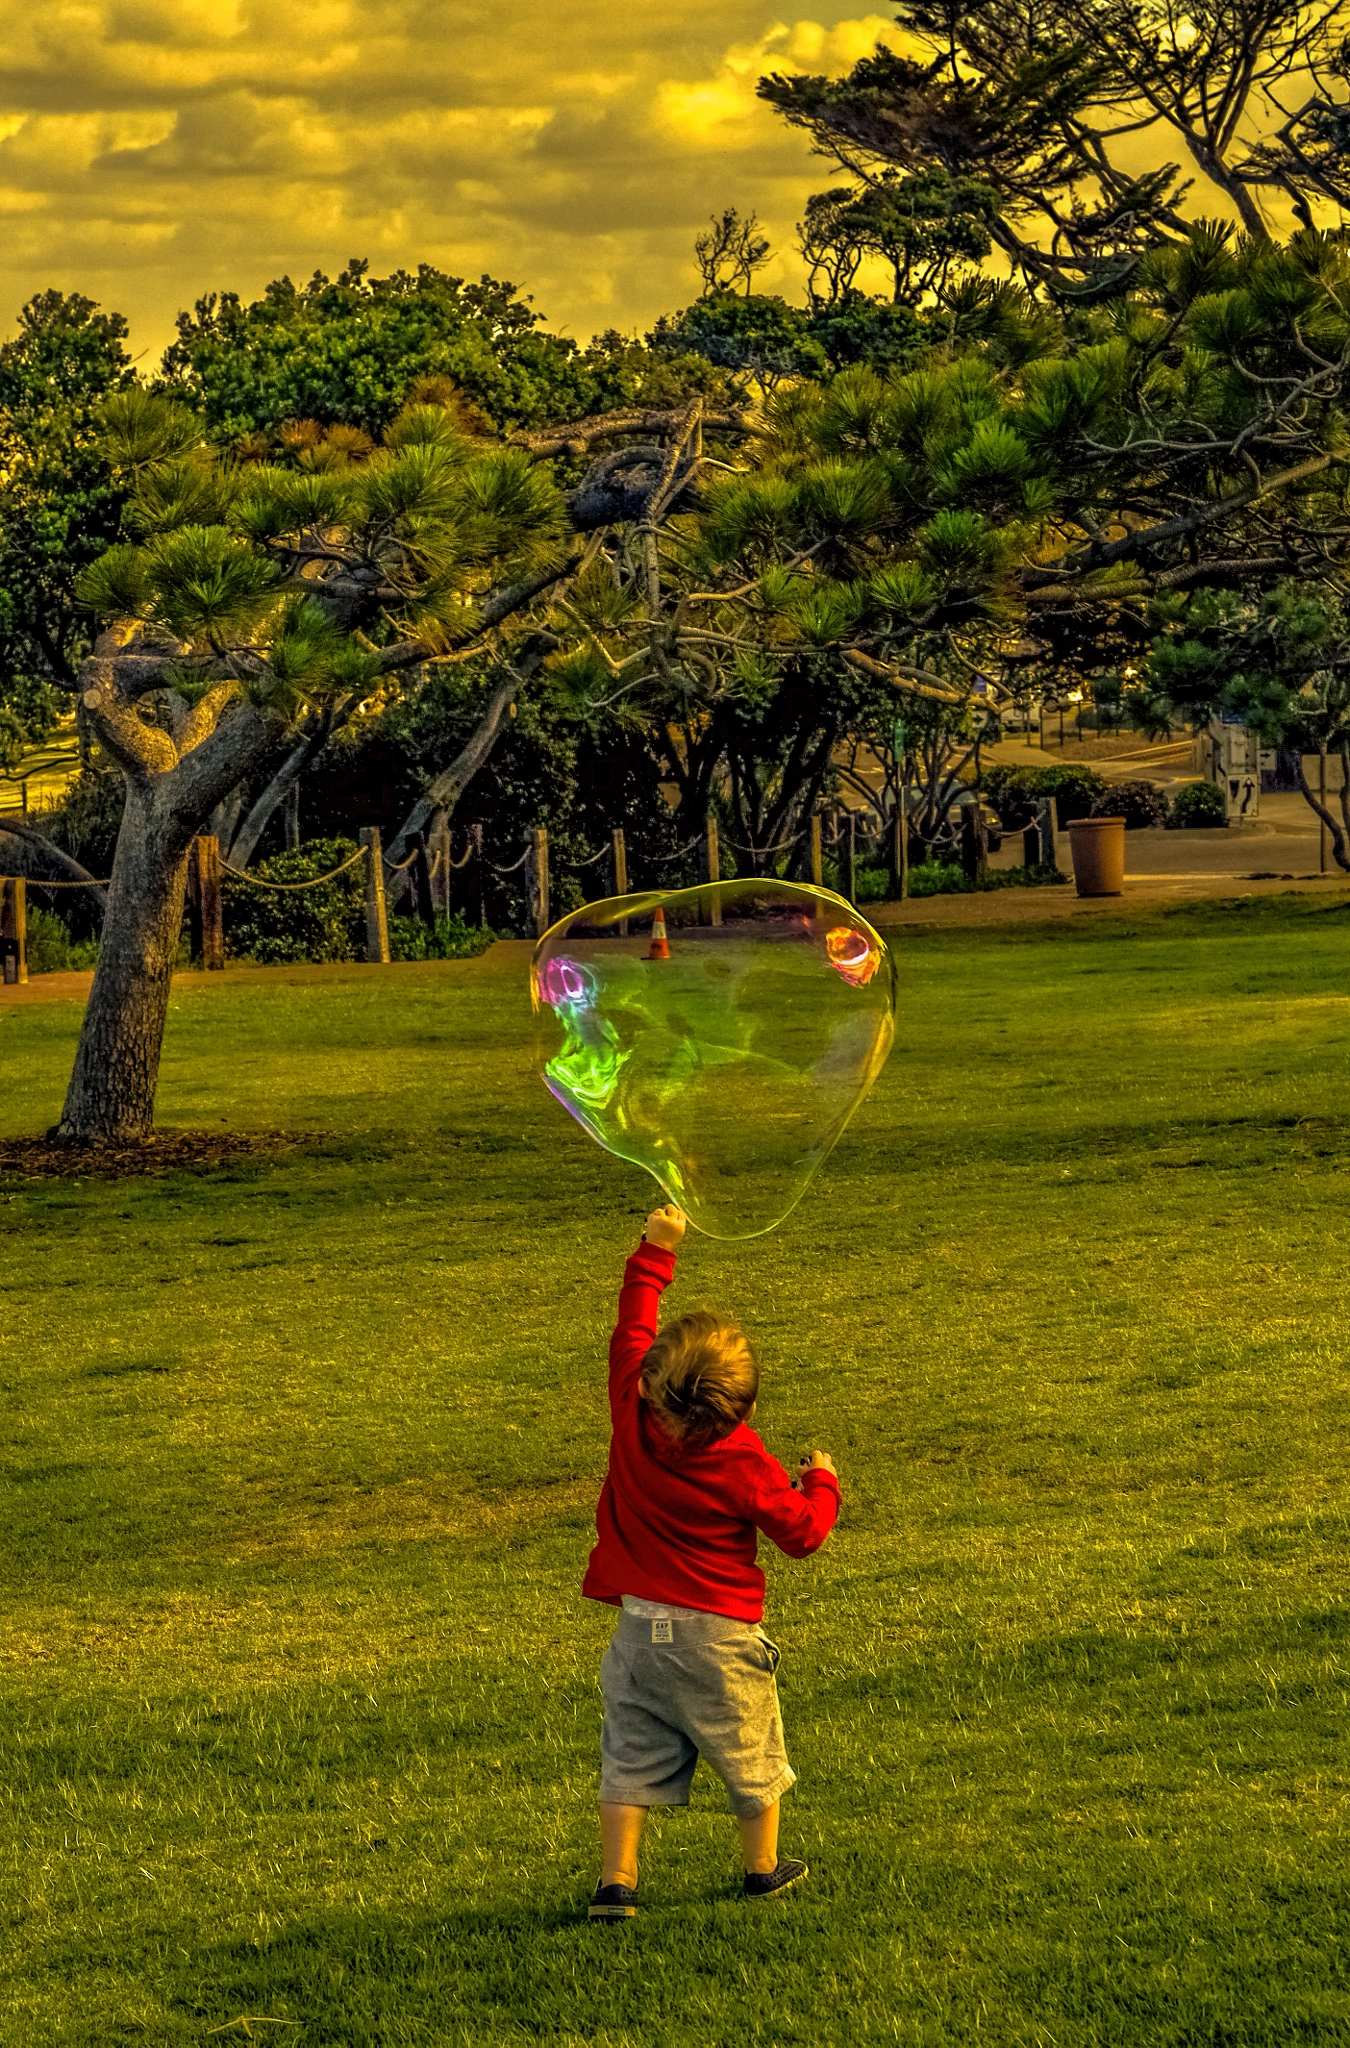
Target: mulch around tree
(166,1152)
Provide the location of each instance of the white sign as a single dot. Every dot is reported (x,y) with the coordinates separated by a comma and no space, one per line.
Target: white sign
(1237,771)
(1242,797)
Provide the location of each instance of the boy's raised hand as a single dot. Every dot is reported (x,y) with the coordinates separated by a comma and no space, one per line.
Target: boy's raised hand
(665,1228)
(817,1461)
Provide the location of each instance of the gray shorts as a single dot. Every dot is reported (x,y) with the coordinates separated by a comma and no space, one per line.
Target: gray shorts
(708,1692)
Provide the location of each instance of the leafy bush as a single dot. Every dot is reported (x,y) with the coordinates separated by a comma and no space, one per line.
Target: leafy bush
(51,949)
(943,878)
(1197,804)
(1140,804)
(872,884)
(451,938)
(737,332)
(1015,792)
(1039,874)
(322,923)
(937,878)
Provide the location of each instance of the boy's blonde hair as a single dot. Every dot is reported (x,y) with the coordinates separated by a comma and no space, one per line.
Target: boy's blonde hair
(701,1377)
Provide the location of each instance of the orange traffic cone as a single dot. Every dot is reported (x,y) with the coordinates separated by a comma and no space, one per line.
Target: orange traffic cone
(659,949)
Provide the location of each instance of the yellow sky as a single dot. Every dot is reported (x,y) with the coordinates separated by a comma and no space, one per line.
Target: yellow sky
(153,150)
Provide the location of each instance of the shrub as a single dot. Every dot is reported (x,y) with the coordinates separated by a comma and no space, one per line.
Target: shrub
(872,884)
(1015,792)
(943,878)
(1039,874)
(451,938)
(1140,804)
(1197,804)
(322,923)
(937,878)
(51,949)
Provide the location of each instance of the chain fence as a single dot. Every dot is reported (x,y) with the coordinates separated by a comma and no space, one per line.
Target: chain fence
(838,831)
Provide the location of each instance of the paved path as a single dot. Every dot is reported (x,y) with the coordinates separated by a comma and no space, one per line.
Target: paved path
(1040,906)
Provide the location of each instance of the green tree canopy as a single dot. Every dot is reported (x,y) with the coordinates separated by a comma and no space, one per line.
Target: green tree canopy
(1029,499)
(351,350)
(59,501)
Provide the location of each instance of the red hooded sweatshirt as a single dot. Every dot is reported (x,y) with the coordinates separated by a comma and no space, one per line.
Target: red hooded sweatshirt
(679,1526)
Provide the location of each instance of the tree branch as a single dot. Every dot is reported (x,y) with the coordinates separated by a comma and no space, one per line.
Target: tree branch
(916,682)
(494,611)
(444,793)
(67,869)
(1101,555)
(140,750)
(311,742)
(576,438)
(205,776)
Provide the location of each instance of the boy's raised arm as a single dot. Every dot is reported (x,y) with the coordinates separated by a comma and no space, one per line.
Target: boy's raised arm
(648,1272)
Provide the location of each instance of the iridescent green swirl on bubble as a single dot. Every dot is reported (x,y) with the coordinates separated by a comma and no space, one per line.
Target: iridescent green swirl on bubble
(730,1068)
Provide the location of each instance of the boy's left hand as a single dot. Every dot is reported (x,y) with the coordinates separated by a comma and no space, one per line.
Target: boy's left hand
(665,1228)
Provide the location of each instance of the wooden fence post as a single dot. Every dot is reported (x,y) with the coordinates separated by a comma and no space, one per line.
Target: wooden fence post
(900,849)
(1045,826)
(438,873)
(14,929)
(712,866)
(619,862)
(1031,845)
(712,851)
(846,857)
(206,919)
(480,873)
(536,868)
(419,875)
(974,842)
(377,923)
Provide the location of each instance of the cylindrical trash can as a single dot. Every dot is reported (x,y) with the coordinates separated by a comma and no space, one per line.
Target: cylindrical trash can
(1098,855)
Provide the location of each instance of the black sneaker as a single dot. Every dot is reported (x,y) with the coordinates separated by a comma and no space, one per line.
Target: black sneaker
(767,1884)
(615,1902)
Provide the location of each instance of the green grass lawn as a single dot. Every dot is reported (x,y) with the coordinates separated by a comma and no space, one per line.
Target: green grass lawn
(300,1713)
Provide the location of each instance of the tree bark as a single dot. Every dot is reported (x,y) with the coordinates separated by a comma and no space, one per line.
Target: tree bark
(1339,852)
(111,1097)
(173,785)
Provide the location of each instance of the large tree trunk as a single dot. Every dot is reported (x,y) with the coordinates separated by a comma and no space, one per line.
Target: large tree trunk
(174,782)
(111,1097)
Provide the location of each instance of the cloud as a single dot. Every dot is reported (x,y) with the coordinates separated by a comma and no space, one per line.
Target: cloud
(722,111)
(154,150)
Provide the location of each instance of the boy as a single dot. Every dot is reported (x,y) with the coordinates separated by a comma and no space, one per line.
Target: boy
(689,1671)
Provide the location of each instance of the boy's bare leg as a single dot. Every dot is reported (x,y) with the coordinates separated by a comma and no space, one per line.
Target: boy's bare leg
(620,1833)
(759,1838)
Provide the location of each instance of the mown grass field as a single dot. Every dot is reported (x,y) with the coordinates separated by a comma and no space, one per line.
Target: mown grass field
(299,1698)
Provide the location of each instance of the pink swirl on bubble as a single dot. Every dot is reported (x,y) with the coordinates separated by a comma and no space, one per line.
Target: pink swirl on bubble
(562,983)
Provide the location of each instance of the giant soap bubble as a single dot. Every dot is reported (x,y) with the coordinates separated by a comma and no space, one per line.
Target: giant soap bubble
(721,1037)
